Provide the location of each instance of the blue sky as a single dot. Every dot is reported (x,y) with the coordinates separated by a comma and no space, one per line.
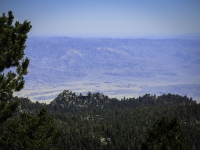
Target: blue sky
(110,18)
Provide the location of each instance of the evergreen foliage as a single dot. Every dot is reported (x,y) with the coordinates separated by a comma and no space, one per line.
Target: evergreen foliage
(27,131)
(12,45)
(30,132)
(95,121)
(165,135)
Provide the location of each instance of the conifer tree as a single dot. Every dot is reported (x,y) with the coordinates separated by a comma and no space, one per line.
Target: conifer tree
(165,135)
(30,132)
(12,61)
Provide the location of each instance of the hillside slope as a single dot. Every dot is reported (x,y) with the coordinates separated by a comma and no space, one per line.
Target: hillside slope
(116,67)
(95,121)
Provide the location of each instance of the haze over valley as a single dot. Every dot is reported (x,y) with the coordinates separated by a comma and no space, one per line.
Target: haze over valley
(113,66)
(120,48)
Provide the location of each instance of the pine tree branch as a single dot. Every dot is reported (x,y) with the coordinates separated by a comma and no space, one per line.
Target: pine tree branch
(10,83)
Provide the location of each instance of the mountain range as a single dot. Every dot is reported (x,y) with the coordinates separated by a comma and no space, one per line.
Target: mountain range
(117,67)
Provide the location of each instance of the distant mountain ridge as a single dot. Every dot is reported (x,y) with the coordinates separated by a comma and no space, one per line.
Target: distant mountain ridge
(116,67)
(116,57)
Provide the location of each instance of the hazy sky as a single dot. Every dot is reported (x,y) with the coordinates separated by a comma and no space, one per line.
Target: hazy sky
(114,18)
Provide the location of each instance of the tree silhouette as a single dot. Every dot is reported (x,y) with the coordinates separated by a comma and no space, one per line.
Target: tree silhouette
(12,45)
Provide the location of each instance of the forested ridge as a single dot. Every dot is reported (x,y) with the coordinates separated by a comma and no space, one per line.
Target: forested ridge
(95,121)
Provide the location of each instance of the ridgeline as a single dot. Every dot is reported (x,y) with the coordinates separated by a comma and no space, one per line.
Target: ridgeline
(95,121)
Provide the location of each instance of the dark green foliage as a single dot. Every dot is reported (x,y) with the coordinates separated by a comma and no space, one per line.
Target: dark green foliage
(30,132)
(69,102)
(7,109)
(165,135)
(12,45)
(96,121)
